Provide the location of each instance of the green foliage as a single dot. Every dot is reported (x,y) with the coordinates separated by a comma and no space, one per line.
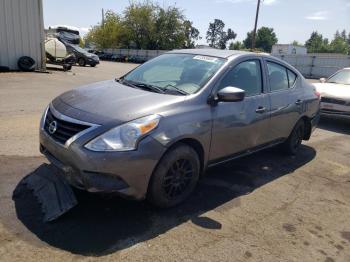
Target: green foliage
(265,39)
(317,44)
(144,26)
(339,45)
(236,45)
(217,37)
(296,43)
(110,34)
(81,42)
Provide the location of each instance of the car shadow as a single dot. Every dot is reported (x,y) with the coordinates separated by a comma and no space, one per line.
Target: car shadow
(335,124)
(100,224)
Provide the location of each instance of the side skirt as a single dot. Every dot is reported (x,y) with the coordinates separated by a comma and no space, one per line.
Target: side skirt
(247,152)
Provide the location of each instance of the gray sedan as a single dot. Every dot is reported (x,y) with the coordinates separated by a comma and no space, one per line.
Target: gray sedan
(153,132)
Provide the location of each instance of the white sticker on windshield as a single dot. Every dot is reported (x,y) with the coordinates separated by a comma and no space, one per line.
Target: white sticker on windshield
(205,58)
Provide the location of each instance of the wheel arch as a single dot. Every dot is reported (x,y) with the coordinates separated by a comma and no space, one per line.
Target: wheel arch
(308,127)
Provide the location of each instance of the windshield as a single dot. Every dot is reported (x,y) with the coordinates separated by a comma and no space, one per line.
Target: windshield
(79,49)
(182,72)
(342,77)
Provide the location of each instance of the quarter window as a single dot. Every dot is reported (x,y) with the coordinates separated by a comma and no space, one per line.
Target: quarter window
(246,76)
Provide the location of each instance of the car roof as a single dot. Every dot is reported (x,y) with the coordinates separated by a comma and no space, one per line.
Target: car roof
(213,52)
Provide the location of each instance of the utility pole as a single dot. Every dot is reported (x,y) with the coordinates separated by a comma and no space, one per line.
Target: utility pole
(103,17)
(256,23)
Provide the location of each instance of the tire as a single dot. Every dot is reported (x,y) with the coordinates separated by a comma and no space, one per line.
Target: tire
(292,144)
(67,67)
(93,65)
(81,62)
(175,177)
(26,64)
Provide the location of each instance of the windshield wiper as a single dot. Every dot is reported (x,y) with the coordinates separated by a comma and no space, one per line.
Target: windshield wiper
(180,91)
(147,86)
(142,85)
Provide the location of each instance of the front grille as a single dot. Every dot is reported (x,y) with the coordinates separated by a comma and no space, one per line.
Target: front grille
(64,129)
(333,101)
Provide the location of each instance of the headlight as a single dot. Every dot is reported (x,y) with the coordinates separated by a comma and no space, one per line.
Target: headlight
(124,137)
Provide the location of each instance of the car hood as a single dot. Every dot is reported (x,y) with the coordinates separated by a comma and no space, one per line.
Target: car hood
(110,101)
(333,90)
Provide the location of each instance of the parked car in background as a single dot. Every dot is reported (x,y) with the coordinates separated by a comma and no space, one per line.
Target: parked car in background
(335,94)
(153,132)
(83,57)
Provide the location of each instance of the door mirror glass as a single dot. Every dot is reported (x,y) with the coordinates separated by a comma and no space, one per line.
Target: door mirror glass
(230,94)
(323,80)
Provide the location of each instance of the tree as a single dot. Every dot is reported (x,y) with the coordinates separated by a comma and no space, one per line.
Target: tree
(296,43)
(191,34)
(216,35)
(236,45)
(343,35)
(248,40)
(144,26)
(81,42)
(140,23)
(316,43)
(339,45)
(173,30)
(265,39)
(110,34)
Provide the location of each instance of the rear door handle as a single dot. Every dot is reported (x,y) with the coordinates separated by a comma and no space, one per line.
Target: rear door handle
(298,102)
(260,110)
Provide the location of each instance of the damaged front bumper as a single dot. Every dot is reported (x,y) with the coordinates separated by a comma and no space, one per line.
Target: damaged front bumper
(125,173)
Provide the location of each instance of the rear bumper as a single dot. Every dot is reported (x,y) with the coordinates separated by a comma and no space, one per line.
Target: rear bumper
(126,173)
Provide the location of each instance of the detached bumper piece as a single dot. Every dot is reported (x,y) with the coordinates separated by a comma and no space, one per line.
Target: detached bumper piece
(51,190)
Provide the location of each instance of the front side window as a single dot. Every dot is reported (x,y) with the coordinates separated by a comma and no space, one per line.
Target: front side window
(185,72)
(292,77)
(246,76)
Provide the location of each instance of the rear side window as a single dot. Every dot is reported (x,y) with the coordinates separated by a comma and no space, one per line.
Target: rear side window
(280,77)
(277,76)
(246,76)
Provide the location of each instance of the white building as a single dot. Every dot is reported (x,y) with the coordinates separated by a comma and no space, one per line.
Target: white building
(21,32)
(288,50)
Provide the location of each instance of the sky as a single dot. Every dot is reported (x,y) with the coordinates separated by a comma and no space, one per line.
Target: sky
(291,19)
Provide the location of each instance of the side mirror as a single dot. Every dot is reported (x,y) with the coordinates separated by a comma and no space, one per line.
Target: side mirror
(323,80)
(230,94)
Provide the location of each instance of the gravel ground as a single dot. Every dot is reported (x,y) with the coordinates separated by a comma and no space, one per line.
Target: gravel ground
(264,207)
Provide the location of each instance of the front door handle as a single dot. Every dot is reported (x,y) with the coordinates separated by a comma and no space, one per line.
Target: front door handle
(260,110)
(298,102)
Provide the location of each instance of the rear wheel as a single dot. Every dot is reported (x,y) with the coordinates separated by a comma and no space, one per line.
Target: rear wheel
(292,144)
(81,62)
(175,177)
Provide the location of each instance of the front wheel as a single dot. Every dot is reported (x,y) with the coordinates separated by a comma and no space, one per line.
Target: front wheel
(175,177)
(81,62)
(292,144)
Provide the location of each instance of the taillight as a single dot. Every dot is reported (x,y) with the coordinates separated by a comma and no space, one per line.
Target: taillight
(318,94)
